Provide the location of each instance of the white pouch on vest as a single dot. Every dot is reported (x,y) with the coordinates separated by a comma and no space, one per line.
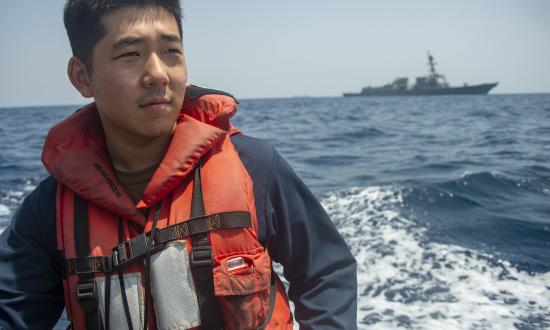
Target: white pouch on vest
(132,286)
(173,290)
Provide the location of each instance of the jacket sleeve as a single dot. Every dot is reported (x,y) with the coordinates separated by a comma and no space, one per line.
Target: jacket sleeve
(316,260)
(31,291)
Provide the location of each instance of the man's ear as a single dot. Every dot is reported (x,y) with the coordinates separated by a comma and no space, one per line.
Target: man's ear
(79,77)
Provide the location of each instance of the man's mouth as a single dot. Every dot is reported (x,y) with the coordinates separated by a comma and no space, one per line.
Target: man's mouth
(155,102)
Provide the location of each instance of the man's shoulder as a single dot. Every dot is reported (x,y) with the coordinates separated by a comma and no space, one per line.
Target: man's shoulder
(256,153)
(40,203)
(45,191)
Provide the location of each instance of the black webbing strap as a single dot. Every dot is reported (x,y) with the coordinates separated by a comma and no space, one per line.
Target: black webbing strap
(107,317)
(204,224)
(125,300)
(134,249)
(86,265)
(202,263)
(121,281)
(272,297)
(86,291)
(147,261)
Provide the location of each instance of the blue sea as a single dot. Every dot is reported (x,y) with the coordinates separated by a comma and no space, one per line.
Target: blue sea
(444,201)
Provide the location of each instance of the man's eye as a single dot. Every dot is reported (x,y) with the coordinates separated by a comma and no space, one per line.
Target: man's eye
(174,51)
(128,54)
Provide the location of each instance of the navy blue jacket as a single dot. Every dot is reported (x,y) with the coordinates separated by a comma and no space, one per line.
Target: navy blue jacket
(292,224)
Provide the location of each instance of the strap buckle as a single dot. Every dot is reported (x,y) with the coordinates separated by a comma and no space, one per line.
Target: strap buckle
(133,250)
(86,294)
(202,256)
(129,251)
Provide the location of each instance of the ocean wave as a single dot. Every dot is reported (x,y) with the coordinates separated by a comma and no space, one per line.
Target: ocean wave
(494,212)
(407,280)
(331,160)
(359,133)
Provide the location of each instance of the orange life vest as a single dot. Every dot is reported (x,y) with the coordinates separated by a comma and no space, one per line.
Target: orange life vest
(243,283)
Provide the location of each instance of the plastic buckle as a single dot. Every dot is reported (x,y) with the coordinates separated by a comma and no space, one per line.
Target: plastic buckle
(130,251)
(202,256)
(86,295)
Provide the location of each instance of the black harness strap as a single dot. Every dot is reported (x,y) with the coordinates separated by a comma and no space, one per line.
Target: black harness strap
(125,300)
(86,291)
(272,297)
(121,282)
(147,262)
(86,265)
(107,301)
(202,263)
(136,248)
(204,224)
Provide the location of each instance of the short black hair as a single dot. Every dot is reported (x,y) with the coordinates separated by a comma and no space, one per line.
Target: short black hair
(82,20)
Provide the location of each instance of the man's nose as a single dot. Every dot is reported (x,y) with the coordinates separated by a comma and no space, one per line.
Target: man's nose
(155,72)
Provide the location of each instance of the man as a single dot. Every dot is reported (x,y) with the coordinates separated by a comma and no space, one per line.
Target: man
(158,213)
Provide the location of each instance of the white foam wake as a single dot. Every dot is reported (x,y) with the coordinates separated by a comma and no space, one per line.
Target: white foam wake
(405,280)
(4,211)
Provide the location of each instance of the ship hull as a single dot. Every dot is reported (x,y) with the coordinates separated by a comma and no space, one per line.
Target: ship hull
(465,90)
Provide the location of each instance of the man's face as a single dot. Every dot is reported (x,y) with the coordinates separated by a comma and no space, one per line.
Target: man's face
(138,74)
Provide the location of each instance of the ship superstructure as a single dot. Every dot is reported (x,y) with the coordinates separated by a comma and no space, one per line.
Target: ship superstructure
(432,84)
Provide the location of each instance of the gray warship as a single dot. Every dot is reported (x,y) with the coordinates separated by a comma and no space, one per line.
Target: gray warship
(432,84)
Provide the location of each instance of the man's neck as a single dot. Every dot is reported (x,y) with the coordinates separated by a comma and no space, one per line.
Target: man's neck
(129,154)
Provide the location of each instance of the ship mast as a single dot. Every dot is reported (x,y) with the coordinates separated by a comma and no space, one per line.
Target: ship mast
(431,65)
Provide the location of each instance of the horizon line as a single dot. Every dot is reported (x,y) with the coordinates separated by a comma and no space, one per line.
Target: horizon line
(280,97)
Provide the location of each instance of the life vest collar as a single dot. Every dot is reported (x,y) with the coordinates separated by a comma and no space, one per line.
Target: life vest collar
(76,155)
(191,140)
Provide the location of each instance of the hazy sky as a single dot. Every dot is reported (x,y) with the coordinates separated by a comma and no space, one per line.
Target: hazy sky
(304,47)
